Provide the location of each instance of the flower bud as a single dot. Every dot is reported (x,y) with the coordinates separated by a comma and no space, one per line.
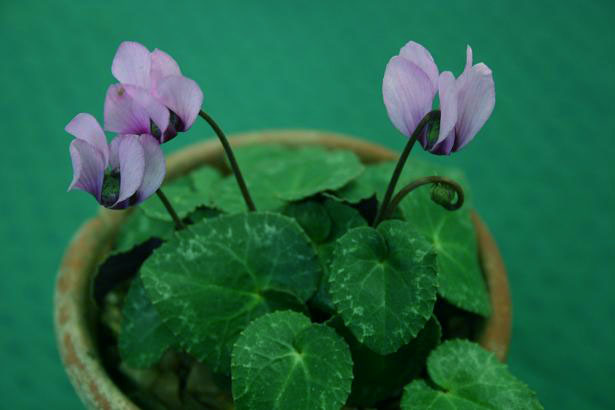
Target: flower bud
(442,194)
(110,189)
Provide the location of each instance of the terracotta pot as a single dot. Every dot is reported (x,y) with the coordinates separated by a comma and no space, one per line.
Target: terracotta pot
(75,313)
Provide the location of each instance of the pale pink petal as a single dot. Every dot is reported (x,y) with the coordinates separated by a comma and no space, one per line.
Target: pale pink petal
(129,109)
(475,102)
(163,65)
(131,157)
(408,94)
(123,114)
(88,168)
(85,127)
(114,153)
(155,167)
(417,54)
(448,106)
(132,64)
(468,58)
(156,111)
(183,96)
(462,77)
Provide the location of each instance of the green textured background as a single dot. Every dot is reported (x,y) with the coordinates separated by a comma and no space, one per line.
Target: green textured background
(541,168)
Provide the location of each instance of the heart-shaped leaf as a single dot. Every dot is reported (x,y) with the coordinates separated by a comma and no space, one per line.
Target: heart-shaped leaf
(383,284)
(465,376)
(138,228)
(342,219)
(313,218)
(143,338)
(451,233)
(378,377)
(453,237)
(276,175)
(214,277)
(185,194)
(283,361)
(375,179)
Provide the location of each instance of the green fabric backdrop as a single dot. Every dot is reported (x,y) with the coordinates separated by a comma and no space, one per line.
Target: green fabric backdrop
(541,168)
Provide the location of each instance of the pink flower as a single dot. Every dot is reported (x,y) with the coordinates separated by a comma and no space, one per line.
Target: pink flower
(409,87)
(152,97)
(121,174)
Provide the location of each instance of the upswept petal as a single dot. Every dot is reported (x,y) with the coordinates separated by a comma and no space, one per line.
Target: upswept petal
(408,94)
(114,154)
(417,54)
(462,77)
(156,111)
(122,113)
(132,64)
(183,96)
(155,167)
(130,155)
(468,58)
(128,110)
(85,127)
(476,100)
(163,65)
(88,168)
(448,106)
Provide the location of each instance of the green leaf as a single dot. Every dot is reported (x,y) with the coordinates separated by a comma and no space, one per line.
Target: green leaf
(202,213)
(375,179)
(452,235)
(138,228)
(283,361)
(214,277)
(466,376)
(372,181)
(342,219)
(143,338)
(185,194)
(378,377)
(276,175)
(312,216)
(229,199)
(383,284)
(202,179)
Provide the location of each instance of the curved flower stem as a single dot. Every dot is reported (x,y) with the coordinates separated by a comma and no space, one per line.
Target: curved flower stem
(179,225)
(451,206)
(231,158)
(382,210)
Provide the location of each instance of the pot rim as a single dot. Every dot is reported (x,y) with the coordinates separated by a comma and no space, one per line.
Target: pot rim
(74,311)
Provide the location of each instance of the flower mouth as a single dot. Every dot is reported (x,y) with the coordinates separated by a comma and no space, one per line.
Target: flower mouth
(431,133)
(175,125)
(176,122)
(154,130)
(110,189)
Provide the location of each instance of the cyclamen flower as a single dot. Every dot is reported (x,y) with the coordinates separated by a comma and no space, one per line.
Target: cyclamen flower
(409,87)
(121,174)
(152,97)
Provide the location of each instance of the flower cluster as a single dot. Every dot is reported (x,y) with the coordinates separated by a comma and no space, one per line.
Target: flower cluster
(151,103)
(410,84)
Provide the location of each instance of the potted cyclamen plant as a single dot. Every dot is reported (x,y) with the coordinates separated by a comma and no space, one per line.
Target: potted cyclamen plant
(301,279)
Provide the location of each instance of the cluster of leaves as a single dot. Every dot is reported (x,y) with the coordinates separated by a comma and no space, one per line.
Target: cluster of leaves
(303,303)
